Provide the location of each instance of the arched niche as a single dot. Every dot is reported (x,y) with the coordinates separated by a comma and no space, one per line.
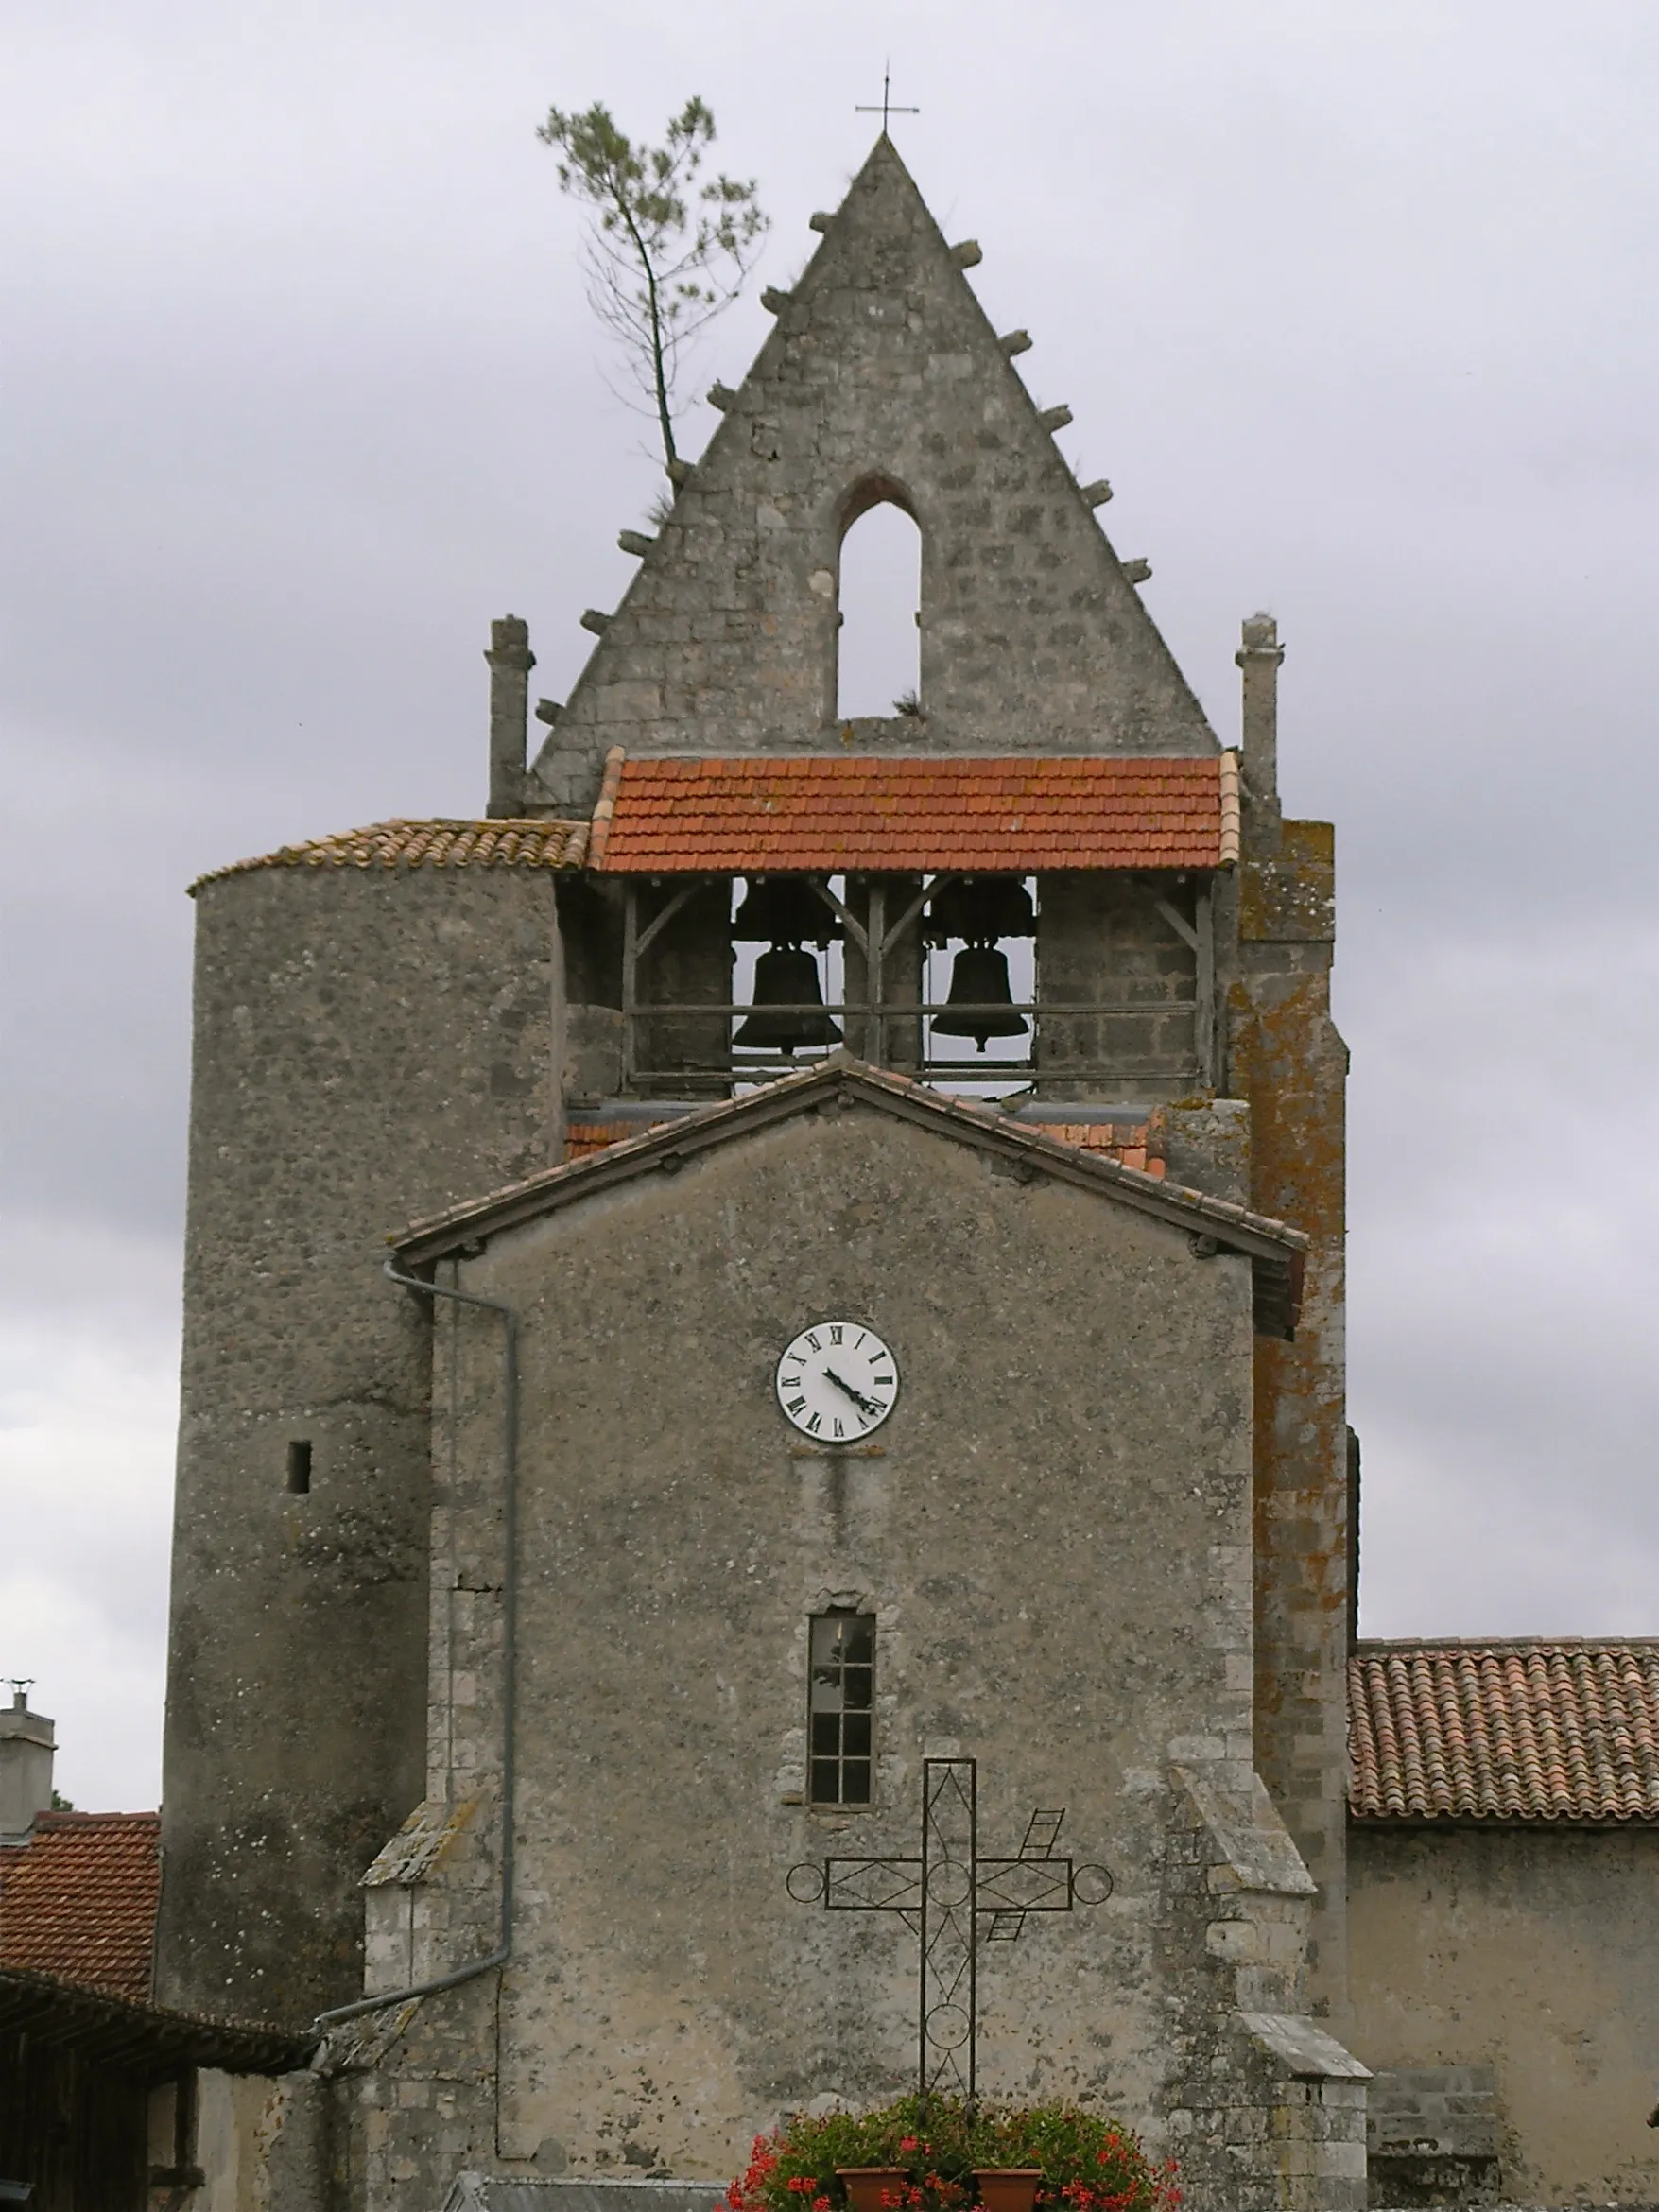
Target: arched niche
(878,638)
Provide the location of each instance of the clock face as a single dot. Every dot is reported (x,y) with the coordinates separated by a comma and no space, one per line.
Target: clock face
(838,1382)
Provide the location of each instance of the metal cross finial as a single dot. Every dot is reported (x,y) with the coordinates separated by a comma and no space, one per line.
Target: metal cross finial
(952,1901)
(887,107)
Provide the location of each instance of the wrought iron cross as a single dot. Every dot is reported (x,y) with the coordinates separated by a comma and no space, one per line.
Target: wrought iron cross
(952,1901)
(887,107)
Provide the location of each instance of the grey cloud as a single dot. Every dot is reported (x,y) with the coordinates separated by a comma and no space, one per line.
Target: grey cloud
(1354,311)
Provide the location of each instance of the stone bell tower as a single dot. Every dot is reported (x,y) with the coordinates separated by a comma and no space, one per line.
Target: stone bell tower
(1171,964)
(1001,1022)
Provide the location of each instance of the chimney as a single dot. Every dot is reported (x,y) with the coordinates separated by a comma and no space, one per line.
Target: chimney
(27,1742)
(1259,657)
(511,661)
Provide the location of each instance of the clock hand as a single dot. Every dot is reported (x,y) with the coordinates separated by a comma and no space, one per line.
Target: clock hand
(864,1405)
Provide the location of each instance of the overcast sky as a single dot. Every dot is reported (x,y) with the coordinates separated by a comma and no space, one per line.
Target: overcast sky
(1355,306)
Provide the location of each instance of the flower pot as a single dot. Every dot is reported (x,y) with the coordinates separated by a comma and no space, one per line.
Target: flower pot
(867,2185)
(1007,2188)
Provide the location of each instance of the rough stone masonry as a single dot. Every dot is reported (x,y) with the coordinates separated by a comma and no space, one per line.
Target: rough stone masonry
(495,1725)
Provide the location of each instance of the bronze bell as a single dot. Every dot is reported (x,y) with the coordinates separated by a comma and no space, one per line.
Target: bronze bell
(978,978)
(979,910)
(782,910)
(786,976)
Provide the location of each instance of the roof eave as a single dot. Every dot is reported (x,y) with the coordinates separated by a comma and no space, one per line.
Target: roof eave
(1276,1251)
(139,2038)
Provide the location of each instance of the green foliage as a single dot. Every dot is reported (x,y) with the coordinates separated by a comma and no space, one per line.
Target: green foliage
(665,253)
(1088,2163)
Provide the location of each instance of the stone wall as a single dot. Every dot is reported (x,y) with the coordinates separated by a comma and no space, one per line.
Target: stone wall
(370,1045)
(882,379)
(1531,1952)
(1286,1058)
(1053,1536)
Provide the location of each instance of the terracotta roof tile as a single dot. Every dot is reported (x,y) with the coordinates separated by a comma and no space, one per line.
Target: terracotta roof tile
(78,1900)
(428,844)
(584,1138)
(1563,1730)
(1014,816)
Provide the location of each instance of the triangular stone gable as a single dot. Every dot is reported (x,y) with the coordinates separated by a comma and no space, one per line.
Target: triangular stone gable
(882,372)
(1275,1249)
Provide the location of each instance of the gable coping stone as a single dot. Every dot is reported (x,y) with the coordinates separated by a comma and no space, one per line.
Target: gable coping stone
(1277,1249)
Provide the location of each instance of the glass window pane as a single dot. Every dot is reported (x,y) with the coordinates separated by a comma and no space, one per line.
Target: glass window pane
(842,1692)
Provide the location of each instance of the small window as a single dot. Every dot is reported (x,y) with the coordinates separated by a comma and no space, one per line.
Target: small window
(842,1709)
(300,1466)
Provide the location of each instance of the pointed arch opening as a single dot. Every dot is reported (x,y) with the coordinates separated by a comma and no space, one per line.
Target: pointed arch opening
(878,649)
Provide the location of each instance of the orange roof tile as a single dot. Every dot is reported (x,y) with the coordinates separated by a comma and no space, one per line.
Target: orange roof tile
(584,1138)
(1012,816)
(1563,1730)
(78,1900)
(428,844)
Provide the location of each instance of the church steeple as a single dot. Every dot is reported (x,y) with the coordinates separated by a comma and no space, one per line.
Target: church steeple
(883,379)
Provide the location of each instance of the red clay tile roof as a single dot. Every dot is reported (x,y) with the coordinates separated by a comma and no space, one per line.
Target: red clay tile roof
(730,816)
(1559,1731)
(1132,1144)
(429,845)
(584,1138)
(78,1900)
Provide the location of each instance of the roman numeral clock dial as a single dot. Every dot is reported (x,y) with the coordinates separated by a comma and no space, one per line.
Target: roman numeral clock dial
(838,1382)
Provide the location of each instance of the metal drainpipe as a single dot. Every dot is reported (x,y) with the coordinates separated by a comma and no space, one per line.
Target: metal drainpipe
(509,1663)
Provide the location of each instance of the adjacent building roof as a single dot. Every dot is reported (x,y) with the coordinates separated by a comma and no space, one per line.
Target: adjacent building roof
(146,2040)
(78,1900)
(863,812)
(78,1923)
(1276,1251)
(1561,1731)
(428,844)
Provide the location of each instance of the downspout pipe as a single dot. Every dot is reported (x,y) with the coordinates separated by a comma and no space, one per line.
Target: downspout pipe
(503,1950)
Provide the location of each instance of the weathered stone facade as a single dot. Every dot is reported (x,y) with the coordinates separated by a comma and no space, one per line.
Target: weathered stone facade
(359,1034)
(549,1544)
(883,380)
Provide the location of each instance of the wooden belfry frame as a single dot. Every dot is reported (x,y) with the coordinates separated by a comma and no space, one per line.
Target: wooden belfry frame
(877,941)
